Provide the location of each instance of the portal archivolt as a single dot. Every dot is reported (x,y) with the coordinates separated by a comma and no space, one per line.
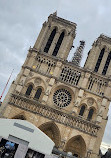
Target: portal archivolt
(20,117)
(52,131)
(76,145)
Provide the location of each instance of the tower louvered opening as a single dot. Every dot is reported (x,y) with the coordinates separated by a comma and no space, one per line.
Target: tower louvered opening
(99,60)
(106,64)
(58,44)
(49,42)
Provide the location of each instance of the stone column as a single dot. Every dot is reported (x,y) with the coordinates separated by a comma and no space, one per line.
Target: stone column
(48,90)
(78,100)
(101,110)
(92,58)
(85,80)
(108,91)
(31,59)
(56,74)
(57,69)
(42,36)
(66,46)
(54,42)
(22,80)
(81,79)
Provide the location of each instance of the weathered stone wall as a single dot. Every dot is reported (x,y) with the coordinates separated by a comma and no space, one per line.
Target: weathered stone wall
(65,89)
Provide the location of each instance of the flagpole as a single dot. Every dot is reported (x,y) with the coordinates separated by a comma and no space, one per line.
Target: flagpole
(6,85)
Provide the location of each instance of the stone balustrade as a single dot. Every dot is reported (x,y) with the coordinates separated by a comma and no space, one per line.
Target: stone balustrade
(70,74)
(97,85)
(54,114)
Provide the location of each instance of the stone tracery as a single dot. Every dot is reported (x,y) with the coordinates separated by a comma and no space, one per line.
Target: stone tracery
(70,76)
(62,97)
(51,130)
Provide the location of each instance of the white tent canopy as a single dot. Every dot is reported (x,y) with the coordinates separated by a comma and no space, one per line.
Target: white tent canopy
(27,133)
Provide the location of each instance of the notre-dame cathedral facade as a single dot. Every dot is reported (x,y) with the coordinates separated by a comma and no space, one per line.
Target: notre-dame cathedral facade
(67,102)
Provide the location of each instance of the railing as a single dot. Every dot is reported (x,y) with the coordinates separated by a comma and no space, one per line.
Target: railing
(53,114)
(44,64)
(97,85)
(70,75)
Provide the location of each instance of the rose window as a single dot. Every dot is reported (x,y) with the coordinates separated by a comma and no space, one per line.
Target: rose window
(62,97)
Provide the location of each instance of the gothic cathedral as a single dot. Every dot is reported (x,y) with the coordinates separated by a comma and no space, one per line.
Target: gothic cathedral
(67,102)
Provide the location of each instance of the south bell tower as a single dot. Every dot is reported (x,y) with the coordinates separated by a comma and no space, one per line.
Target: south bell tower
(67,102)
(99,56)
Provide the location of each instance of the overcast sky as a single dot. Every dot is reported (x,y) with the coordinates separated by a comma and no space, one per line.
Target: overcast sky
(21,21)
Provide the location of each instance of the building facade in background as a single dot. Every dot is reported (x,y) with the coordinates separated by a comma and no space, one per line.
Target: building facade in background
(67,102)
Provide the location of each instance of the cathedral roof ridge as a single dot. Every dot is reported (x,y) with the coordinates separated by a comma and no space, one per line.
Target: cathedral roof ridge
(105,38)
(54,15)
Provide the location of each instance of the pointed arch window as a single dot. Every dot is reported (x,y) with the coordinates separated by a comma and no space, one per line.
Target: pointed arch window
(82,110)
(29,89)
(99,60)
(91,111)
(59,42)
(38,93)
(48,44)
(106,64)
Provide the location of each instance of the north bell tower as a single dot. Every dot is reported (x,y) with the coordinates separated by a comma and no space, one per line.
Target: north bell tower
(56,37)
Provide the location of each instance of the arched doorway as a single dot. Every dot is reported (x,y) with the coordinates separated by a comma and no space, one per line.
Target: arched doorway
(52,131)
(76,145)
(20,117)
